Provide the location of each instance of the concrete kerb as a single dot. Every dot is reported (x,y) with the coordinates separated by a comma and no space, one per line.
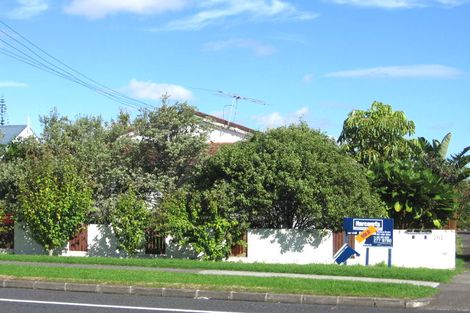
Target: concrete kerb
(214,294)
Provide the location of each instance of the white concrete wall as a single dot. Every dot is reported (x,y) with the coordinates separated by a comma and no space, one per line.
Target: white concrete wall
(431,250)
(24,244)
(289,246)
(102,241)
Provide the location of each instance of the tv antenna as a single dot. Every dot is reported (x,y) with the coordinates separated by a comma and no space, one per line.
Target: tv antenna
(233,106)
(3,111)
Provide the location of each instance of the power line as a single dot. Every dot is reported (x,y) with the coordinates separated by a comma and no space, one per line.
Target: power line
(20,48)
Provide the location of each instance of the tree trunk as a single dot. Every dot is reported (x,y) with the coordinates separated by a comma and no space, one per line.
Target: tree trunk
(50,251)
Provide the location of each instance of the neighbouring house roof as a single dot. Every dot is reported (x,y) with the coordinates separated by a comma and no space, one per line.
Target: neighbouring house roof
(8,133)
(225,123)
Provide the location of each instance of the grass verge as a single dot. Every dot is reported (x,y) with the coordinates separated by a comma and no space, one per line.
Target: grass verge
(210,282)
(318,269)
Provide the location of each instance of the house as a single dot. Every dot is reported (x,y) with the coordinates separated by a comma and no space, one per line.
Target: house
(223,132)
(9,133)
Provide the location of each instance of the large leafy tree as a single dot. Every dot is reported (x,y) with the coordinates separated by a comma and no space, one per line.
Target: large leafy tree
(377,134)
(412,175)
(292,177)
(53,199)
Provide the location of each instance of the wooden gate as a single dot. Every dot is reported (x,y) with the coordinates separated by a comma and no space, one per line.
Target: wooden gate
(7,232)
(155,243)
(80,241)
(240,250)
(338,241)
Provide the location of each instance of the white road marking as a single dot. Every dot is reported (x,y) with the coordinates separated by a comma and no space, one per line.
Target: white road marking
(137,308)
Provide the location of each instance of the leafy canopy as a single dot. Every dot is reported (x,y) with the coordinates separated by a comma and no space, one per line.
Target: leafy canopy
(53,199)
(377,134)
(291,177)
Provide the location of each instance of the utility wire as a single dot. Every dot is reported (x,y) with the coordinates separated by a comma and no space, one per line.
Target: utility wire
(23,50)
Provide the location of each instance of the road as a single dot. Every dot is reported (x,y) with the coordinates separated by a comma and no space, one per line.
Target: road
(41,301)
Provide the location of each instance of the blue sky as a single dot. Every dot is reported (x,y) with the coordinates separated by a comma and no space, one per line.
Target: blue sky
(310,60)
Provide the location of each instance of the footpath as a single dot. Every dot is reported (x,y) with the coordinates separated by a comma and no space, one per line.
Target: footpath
(454,295)
(222,295)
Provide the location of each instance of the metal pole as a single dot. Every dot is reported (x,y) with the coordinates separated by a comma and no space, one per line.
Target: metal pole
(367,256)
(389,257)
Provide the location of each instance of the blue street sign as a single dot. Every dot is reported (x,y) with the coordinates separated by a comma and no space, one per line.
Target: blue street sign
(384,235)
(344,253)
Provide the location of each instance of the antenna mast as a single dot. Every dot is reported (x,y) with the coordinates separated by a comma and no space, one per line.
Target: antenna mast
(3,111)
(235,98)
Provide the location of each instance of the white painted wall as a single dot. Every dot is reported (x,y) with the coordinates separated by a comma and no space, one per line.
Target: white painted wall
(24,244)
(435,249)
(288,246)
(225,135)
(431,250)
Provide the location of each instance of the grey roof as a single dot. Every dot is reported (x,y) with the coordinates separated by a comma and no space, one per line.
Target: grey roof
(10,132)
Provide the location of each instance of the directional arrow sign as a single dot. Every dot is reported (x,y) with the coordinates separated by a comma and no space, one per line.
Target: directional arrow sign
(369,231)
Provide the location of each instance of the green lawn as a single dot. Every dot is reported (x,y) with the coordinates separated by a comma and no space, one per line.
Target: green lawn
(215,282)
(319,269)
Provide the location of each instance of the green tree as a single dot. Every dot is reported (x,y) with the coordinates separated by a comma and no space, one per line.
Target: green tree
(463,205)
(172,140)
(416,197)
(199,219)
(412,175)
(53,199)
(290,177)
(377,134)
(129,222)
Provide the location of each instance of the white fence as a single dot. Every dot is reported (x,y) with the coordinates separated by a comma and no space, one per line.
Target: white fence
(435,249)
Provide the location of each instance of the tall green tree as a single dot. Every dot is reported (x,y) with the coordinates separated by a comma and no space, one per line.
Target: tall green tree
(292,177)
(412,175)
(377,134)
(53,199)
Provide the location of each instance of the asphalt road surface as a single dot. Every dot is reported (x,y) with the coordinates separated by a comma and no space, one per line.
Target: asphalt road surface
(35,301)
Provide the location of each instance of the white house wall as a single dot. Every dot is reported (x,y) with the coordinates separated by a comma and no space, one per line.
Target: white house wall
(225,135)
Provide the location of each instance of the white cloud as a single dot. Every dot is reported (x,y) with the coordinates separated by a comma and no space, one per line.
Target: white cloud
(400,4)
(302,112)
(258,48)
(276,119)
(271,120)
(216,11)
(12,84)
(28,8)
(407,71)
(153,91)
(308,78)
(101,8)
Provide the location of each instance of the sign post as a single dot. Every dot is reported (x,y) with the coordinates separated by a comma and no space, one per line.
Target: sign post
(374,232)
